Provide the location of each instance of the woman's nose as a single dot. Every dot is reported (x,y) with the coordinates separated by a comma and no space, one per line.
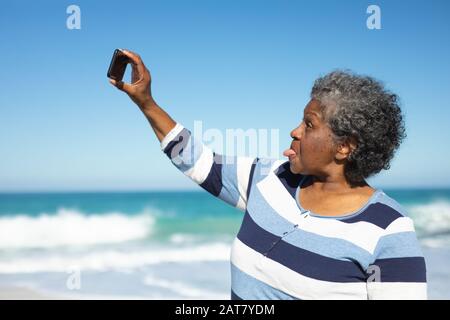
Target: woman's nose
(296,133)
(293,134)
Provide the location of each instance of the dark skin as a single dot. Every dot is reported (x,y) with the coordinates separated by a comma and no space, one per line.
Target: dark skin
(312,152)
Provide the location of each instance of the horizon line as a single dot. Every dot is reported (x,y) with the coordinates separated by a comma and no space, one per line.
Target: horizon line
(168,190)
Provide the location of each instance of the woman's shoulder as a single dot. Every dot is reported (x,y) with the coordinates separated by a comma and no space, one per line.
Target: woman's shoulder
(385,212)
(399,238)
(399,218)
(391,203)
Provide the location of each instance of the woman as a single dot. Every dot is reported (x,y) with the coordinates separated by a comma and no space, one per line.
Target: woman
(313,228)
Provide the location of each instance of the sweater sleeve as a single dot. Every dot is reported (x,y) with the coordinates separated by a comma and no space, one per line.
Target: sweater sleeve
(398,271)
(224,177)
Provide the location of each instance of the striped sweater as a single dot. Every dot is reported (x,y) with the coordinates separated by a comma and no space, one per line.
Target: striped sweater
(283,251)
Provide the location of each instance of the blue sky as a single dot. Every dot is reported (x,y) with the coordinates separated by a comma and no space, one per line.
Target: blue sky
(232,64)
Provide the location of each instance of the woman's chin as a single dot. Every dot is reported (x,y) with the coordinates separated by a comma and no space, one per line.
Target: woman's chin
(294,168)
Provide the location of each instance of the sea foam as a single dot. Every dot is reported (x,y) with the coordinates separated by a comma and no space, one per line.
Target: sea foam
(70,227)
(431,219)
(113,259)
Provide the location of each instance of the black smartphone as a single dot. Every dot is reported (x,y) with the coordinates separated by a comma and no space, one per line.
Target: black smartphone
(118,65)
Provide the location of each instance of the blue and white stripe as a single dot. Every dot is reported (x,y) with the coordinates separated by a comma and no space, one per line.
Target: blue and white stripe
(282,251)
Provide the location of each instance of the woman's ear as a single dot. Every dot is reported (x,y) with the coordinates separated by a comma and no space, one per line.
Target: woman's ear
(345,148)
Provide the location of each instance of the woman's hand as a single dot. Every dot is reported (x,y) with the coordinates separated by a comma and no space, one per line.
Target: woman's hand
(139,89)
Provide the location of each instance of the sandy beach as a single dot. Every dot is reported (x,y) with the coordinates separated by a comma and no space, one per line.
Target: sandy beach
(23,293)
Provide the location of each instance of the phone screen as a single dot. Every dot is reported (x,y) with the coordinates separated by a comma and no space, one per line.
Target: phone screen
(118,65)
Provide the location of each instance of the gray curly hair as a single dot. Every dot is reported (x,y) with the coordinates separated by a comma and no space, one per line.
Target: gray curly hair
(359,108)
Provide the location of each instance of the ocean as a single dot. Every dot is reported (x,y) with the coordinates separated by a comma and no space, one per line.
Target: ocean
(158,245)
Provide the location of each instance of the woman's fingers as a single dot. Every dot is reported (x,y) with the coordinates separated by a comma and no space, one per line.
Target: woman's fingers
(135,76)
(125,87)
(136,62)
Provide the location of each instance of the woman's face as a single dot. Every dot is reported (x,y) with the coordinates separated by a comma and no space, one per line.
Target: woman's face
(312,150)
